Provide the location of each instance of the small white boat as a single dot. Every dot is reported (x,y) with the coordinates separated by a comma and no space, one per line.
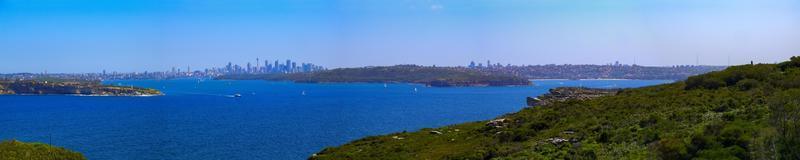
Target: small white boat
(237,95)
(415,90)
(303,93)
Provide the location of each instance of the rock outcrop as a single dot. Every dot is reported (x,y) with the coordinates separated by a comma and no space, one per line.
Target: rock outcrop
(497,123)
(569,93)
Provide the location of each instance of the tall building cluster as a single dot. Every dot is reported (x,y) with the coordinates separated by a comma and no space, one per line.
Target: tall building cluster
(274,67)
(488,65)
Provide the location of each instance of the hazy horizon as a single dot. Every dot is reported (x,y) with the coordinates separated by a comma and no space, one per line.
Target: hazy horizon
(83,36)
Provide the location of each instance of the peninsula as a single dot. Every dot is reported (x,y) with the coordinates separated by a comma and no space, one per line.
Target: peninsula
(428,75)
(13,149)
(743,112)
(70,87)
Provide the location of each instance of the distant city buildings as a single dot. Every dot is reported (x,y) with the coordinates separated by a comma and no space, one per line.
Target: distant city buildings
(614,70)
(268,68)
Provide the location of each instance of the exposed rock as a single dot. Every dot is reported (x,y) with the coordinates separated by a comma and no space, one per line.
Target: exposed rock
(557,140)
(569,93)
(435,132)
(497,123)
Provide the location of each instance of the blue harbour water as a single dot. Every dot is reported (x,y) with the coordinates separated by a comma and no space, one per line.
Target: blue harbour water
(199,119)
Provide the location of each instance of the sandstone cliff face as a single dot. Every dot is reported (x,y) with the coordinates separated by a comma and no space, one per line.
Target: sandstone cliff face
(4,90)
(569,93)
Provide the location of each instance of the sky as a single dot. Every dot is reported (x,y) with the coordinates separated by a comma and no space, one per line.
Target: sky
(80,36)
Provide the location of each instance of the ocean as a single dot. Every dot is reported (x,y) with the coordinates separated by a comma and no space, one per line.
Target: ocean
(201,119)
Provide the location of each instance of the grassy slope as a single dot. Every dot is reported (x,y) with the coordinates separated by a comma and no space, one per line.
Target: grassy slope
(745,112)
(15,150)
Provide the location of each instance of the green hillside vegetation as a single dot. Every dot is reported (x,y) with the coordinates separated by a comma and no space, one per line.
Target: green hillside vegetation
(16,150)
(433,76)
(743,112)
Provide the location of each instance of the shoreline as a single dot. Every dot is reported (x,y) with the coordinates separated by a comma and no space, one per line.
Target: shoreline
(397,82)
(85,95)
(604,79)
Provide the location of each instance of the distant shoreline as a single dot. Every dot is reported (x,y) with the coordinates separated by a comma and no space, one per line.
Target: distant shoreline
(72,88)
(85,95)
(429,76)
(604,79)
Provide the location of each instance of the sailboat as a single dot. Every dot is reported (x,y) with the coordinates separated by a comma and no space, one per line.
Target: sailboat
(415,90)
(303,93)
(384,85)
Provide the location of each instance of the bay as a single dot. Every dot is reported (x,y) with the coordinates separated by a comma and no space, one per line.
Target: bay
(201,119)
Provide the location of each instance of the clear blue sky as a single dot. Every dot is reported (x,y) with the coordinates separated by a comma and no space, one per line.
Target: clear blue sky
(154,35)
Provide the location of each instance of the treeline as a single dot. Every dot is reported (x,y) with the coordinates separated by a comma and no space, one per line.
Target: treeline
(743,112)
(432,76)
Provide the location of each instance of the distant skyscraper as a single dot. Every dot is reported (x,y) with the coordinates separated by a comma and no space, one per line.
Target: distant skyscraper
(288,65)
(229,67)
(249,69)
(276,66)
(266,66)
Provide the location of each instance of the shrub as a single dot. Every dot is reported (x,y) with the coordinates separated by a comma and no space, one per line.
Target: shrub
(672,148)
(785,116)
(748,84)
(793,62)
(704,82)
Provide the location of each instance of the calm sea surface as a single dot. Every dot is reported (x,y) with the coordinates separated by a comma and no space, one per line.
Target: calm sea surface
(272,120)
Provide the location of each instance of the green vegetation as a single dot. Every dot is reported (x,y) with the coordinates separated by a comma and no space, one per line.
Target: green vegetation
(73,87)
(16,150)
(743,112)
(432,76)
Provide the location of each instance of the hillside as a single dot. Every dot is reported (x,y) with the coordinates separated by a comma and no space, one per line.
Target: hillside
(743,112)
(432,76)
(16,150)
(70,87)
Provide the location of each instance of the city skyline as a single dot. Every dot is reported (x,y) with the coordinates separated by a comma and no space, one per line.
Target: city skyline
(147,35)
(290,66)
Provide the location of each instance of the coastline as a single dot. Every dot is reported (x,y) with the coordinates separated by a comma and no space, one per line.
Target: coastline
(86,95)
(396,82)
(595,79)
